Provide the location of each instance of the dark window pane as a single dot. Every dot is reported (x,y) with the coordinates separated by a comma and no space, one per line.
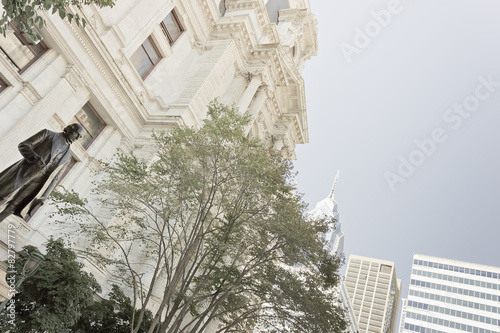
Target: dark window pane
(171,27)
(92,123)
(151,51)
(141,61)
(3,85)
(145,58)
(18,48)
(222,7)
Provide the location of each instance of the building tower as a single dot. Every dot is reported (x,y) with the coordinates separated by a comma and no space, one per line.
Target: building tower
(373,290)
(451,296)
(144,66)
(328,208)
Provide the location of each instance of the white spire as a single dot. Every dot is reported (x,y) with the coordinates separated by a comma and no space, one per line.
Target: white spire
(334,184)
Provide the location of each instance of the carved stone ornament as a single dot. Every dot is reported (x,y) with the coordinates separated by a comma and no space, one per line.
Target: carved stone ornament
(200,47)
(119,62)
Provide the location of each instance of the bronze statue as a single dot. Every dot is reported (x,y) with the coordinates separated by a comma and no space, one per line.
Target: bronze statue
(31,180)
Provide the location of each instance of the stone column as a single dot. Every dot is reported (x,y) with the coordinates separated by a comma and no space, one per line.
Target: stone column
(257,104)
(249,93)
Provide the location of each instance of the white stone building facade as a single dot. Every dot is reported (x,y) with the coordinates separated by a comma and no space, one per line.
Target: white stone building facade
(147,65)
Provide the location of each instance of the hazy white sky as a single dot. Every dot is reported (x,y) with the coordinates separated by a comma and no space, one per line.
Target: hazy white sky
(404,99)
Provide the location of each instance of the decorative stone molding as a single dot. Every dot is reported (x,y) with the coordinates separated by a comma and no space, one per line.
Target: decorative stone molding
(238,32)
(30,93)
(141,96)
(126,144)
(119,62)
(238,5)
(21,226)
(73,78)
(93,21)
(222,36)
(102,65)
(94,164)
(280,127)
(200,47)
(249,75)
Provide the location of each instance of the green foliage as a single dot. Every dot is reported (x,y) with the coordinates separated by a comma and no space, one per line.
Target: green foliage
(27,13)
(110,316)
(53,299)
(213,219)
(60,297)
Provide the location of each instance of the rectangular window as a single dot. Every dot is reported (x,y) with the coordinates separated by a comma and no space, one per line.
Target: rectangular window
(385,269)
(18,48)
(3,85)
(93,124)
(146,57)
(171,27)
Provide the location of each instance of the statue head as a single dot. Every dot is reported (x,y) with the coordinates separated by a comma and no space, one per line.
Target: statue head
(73,132)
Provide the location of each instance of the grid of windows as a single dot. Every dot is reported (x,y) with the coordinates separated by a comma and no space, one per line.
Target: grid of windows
(147,56)
(454,313)
(420,329)
(454,268)
(372,289)
(455,290)
(446,277)
(457,295)
(18,48)
(455,301)
(448,323)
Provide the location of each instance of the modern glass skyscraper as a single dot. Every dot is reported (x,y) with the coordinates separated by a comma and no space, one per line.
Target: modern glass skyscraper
(448,296)
(373,290)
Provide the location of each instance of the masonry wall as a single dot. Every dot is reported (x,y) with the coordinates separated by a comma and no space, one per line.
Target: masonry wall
(237,55)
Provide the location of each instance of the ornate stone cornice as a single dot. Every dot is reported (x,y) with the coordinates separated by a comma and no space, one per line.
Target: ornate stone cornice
(239,32)
(102,64)
(73,78)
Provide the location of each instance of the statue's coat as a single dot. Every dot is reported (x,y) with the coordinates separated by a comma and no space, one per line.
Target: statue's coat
(24,180)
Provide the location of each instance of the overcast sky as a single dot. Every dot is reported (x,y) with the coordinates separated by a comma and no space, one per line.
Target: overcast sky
(406,103)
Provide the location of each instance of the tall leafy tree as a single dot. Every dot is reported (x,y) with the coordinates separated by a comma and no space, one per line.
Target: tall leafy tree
(210,228)
(27,12)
